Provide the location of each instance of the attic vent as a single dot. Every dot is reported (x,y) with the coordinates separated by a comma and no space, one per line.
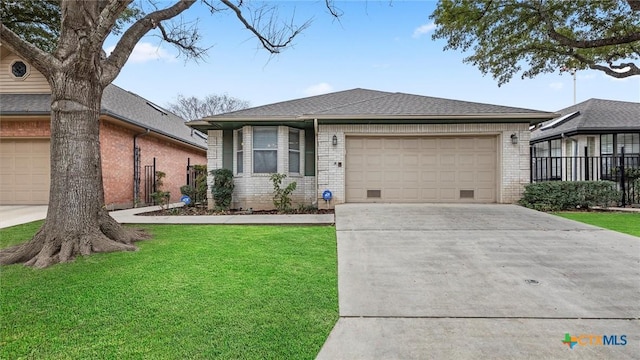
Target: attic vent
(158,108)
(466,194)
(559,120)
(373,193)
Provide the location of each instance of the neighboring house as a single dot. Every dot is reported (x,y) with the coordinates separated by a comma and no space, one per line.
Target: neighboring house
(585,142)
(134,134)
(373,146)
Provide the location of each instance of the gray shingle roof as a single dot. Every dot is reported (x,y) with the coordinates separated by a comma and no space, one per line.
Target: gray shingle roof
(116,102)
(594,115)
(365,102)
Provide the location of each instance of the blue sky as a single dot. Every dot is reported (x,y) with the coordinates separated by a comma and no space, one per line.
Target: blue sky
(379,45)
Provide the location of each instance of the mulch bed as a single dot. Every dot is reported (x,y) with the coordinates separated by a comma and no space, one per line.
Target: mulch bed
(201,210)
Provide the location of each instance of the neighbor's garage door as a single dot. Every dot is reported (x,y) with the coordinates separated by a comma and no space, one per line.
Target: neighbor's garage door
(24,172)
(421,169)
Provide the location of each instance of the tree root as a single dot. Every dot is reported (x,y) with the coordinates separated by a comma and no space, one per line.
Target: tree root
(54,244)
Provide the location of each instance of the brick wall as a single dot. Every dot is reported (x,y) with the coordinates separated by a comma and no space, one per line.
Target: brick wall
(116,149)
(39,128)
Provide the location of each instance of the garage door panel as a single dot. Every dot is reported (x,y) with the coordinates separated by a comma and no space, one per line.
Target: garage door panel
(24,172)
(422,169)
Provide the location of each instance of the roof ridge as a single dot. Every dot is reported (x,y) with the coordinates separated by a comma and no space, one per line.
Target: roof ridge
(385,94)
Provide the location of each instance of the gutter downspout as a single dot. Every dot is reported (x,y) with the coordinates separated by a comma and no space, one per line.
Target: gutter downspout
(136,169)
(315,136)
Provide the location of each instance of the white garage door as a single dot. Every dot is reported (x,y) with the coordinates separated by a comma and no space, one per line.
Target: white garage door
(421,169)
(24,172)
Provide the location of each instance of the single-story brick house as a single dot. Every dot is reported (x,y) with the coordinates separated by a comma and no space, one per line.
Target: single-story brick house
(374,146)
(134,133)
(599,127)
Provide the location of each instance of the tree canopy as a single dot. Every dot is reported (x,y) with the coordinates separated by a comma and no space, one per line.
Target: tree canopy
(193,108)
(507,37)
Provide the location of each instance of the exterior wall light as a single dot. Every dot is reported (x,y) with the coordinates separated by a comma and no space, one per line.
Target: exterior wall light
(335,140)
(514,139)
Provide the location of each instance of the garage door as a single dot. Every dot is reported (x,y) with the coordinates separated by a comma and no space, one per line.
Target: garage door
(421,169)
(24,172)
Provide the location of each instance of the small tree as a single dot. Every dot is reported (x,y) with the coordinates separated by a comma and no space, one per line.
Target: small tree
(281,196)
(222,190)
(197,191)
(161,197)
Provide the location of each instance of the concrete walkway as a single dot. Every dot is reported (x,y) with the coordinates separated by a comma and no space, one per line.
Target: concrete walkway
(481,281)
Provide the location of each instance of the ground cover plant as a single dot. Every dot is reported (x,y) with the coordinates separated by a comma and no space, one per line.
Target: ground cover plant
(191,292)
(628,223)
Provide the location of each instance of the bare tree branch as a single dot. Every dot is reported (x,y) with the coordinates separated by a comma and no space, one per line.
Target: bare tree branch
(130,38)
(272,39)
(108,17)
(40,59)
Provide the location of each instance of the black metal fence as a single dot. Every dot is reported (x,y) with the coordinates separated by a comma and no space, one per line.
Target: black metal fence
(622,169)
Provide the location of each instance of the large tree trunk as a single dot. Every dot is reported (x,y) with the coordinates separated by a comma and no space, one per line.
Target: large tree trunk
(77,222)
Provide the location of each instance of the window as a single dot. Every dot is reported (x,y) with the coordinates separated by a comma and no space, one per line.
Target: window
(19,69)
(631,143)
(265,149)
(294,151)
(606,144)
(239,152)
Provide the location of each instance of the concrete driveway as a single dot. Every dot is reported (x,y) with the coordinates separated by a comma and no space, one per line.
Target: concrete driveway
(481,281)
(11,215)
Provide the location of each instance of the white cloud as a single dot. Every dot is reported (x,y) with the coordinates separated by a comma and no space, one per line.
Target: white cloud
(144,52)
(318,89)
(423,30)
(556,86)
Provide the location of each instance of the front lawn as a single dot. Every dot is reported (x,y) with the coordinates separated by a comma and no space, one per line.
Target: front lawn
(191,292)
(628,223)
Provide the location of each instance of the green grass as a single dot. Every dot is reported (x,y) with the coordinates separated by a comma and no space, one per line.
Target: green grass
(628,223)
(191,292)
(18,234)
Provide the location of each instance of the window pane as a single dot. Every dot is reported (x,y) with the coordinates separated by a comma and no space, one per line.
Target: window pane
(240,141)
(294,161)
(556,148)
(265,161)
(265,138)
(239,162)
(606,144)
(631,143)
(294,140)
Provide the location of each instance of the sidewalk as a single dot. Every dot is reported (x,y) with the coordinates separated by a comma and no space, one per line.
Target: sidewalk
(130,216)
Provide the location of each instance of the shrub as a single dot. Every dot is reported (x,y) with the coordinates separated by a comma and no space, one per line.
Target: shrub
(222,189)
(281,196)
(568,195)
(160,197)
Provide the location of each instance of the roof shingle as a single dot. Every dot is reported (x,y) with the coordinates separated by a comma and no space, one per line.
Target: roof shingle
(118,103)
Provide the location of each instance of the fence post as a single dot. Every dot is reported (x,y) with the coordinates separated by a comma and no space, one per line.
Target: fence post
(530,164)
(622,178)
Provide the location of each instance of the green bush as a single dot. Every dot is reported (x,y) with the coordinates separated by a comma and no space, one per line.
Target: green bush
(161,197)
(281,196)
(568,195)
(222,189)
